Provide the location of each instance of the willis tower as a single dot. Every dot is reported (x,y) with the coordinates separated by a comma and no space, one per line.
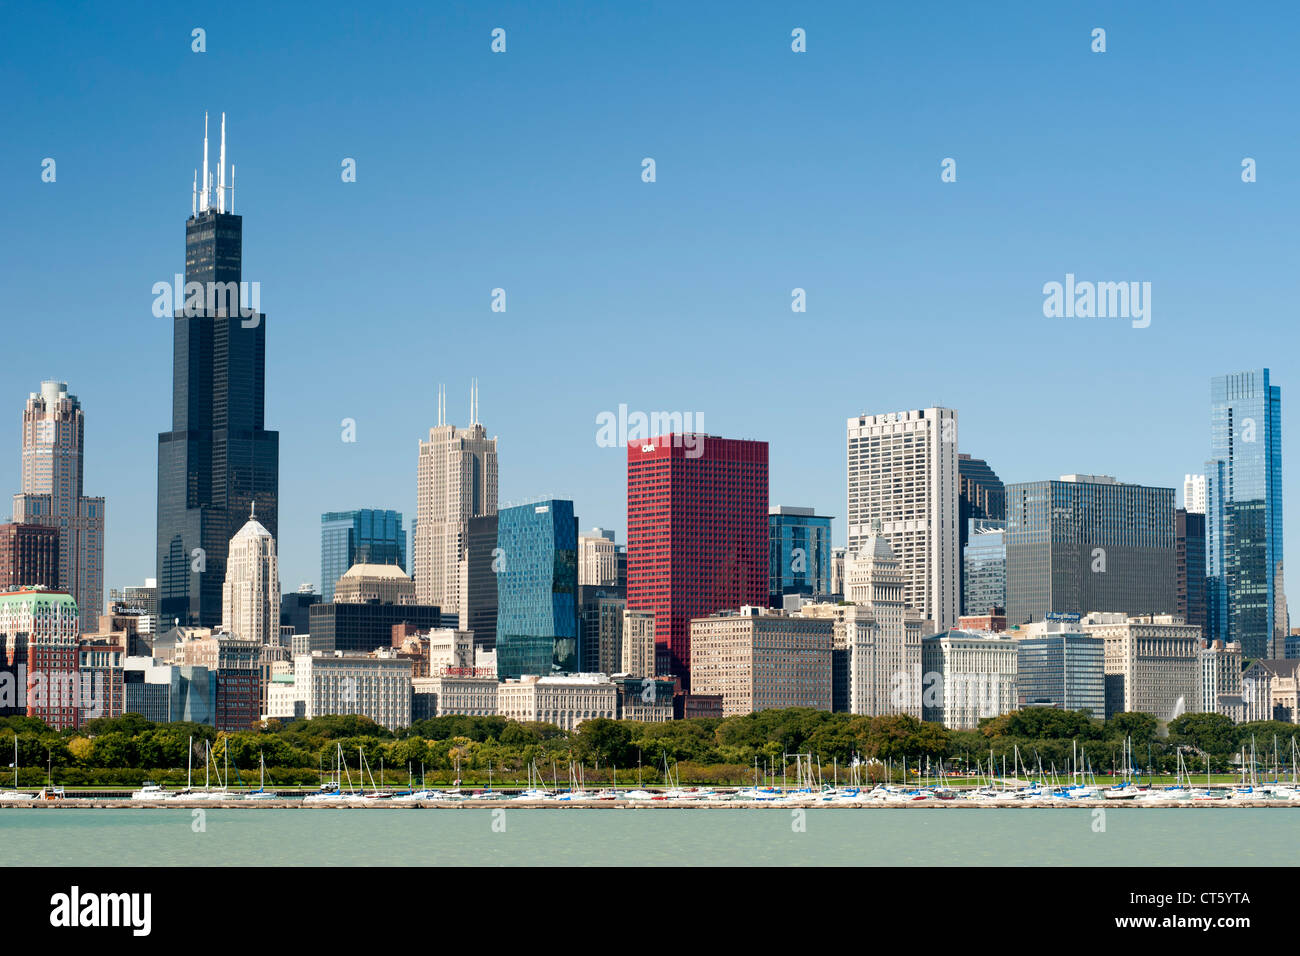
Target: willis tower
(218,459)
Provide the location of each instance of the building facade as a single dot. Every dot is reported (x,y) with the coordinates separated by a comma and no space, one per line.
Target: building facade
(563,700)
(1189,557)
(1087,543)
(29,554)
(1153,663)
(218,459)
(362,628)
(537,589)
(374,584)
(799,553)
(638,658)
(371,686)
(967,677)
(760,658)
(984,567)
(39,629)
(1059,665)
(361,536)
(53,458)
(1245,598)
(902,472)
(697,534)
(250,597)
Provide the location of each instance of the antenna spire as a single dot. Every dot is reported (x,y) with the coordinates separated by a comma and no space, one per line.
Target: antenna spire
(221,169)
(194,199)
(203,206)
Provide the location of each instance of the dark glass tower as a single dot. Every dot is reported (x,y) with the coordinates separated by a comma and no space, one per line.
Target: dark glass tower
(218,457)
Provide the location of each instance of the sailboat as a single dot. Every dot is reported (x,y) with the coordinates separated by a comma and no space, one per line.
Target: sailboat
(210,792)
(261,793)
(14,795)
(375,793)
(336,794)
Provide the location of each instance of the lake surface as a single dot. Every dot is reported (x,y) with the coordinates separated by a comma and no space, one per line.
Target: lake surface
(726,837)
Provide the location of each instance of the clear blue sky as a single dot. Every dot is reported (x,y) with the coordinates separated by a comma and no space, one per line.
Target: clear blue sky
(775,170)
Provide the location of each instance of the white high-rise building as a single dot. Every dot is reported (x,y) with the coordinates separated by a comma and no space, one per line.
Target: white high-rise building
(457,480)
(883,633)
(598,558)
(250,596)
(1194,494)
(902,473)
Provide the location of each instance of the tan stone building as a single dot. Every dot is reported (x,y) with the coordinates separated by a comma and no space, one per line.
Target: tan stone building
(638,658)
(761,658)
(1153,663)
(563,700)
(374,583)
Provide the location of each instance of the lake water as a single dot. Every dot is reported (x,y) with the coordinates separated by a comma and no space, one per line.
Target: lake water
(755,837)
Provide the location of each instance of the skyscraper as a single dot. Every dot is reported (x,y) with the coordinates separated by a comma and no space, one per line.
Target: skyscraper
(250,596)
(799,552)
(218,459)
(363,536)
(537,590)
(697,538)
(903,472)
(1089,543)
(1194,494)
(53,444)
(980,495)
(984,567)
(1189,544)
(456,481)
(1243,530)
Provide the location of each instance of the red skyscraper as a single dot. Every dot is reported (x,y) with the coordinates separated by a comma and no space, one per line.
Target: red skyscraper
(697,536)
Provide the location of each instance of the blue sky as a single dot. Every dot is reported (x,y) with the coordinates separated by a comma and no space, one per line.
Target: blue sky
(775,170)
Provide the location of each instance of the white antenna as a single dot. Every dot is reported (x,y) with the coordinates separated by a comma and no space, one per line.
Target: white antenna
(194,200)
(221,169)
(203,206)
(442,404)
(232,188)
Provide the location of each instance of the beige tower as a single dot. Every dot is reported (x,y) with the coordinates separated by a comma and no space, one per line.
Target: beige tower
(903,472)
(250,596)
(53,439)
(883,632)
(457,480)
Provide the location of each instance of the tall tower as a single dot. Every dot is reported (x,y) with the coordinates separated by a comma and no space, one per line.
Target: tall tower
(697,534)
(456,480)
(218,459)
(1243,521)
(53,441)
(903,472)
(250,596)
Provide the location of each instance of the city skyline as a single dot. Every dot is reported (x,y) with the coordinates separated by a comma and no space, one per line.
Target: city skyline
(1136,407)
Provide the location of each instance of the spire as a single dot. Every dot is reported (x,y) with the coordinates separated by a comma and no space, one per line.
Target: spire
(252,515)
(194,200)
(203,204)
(221,169)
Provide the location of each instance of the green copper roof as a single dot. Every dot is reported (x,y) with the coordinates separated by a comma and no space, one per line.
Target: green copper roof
(38,595)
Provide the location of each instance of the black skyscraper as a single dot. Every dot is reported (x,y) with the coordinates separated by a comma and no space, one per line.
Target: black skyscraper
(218,457)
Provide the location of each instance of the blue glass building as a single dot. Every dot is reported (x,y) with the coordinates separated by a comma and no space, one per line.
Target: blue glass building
(984,567)
(537,589)
(1243,533)
(799,553)
(365,536)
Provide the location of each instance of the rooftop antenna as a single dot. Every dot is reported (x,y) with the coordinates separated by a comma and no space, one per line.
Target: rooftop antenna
(194,200)
(442,405)
(253,514)
(203,206)
(232,189)
(221,169)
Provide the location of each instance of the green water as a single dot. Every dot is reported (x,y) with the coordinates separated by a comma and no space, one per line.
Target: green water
(911,837)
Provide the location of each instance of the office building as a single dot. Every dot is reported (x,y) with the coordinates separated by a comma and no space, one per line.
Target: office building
(167,693)
(601,562)
(600,628)
(1269,691)
(697,534)
(218,459)
(563,700)
(761,658)
(984,567)
(645,699)
(362,628)
(799,553)
(482,561)
(444,694)
(1152,663)
(1088,542)
(250,597)
(456,481)
(981,496)
(902,472)
(1189,557)
(143,598)
(537,589)
(1060,665)
(967,677)
(638,658)
(1245,597)
(374,584)
(1195,494)
(1221,688)
(53,461)
(29,554)
(236,666)
(39,630)
(362,536)
(364,684)
(295,609)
